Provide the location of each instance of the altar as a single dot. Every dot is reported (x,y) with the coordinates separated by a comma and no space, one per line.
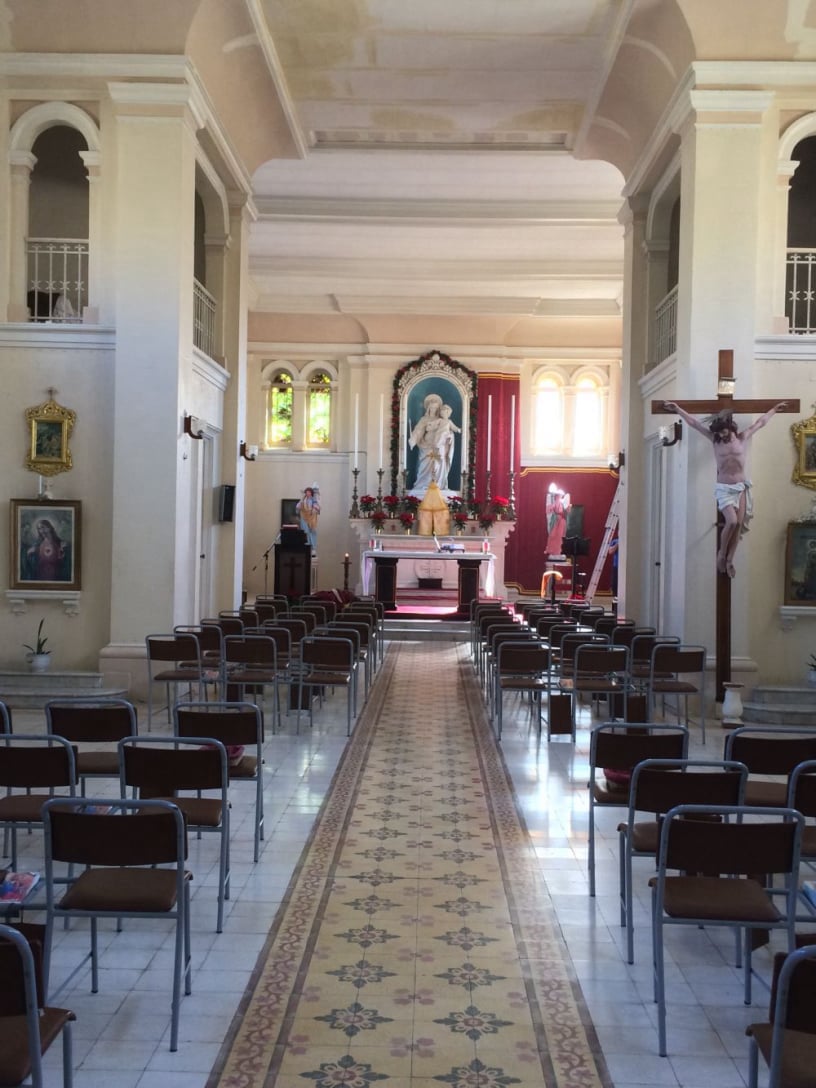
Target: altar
(417,557)
(474,572)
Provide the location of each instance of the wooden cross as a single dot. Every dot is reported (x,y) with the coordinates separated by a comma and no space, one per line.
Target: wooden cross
(724,400)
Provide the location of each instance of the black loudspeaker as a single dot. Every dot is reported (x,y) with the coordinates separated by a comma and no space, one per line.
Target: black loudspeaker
(226,502)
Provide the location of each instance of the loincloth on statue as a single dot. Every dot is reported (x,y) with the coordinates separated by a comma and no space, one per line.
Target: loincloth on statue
(730,495)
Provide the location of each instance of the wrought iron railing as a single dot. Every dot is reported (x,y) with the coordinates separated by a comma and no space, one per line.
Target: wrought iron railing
(203,319)
(800,285)
(665,328)
(57,279)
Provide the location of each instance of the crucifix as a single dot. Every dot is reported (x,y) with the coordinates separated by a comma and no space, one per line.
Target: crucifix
(732,491)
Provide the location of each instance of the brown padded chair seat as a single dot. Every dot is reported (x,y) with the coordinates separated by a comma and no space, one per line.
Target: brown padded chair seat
(140,890)
(712,897)
(15,1063)
(798,1056)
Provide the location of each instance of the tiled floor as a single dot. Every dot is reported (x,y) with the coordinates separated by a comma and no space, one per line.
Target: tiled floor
(121,1034)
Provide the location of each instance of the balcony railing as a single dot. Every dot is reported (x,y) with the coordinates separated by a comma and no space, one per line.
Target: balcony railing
(800,304)
(203,319)
(665,328)
(57,277)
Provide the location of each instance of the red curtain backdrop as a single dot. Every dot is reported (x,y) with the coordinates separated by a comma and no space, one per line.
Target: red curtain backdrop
(593,489)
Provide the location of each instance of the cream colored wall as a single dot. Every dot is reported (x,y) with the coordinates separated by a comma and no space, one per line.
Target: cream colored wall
(78,365)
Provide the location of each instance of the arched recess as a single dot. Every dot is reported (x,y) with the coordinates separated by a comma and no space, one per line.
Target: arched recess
(211,240)
(796,226)
(662,245)
(22,137)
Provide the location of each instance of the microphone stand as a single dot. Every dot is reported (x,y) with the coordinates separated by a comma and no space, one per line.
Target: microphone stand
(265,558)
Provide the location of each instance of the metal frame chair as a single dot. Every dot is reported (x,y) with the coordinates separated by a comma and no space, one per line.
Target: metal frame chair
(659,785)
(787,1041)
(770,753)
(92,721)
(716,886)
(251,661)
(522,666)
(328,662)
(180,654)
(668,667)
(235,725)
(122,845)
(160,768)
(27,1026)
(32,762)
(617,747)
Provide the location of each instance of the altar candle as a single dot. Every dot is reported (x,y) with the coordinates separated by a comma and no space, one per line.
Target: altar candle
(356,426)
(512,431)
(489,428)
(382,418)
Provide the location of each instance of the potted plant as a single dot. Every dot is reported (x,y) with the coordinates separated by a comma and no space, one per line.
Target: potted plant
(38,657)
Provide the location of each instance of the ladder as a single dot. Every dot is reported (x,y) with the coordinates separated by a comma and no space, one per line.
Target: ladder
(609,531)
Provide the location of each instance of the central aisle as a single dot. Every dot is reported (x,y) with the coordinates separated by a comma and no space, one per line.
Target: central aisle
(417,942)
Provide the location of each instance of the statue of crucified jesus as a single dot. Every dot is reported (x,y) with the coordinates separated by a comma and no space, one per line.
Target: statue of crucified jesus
(732,490)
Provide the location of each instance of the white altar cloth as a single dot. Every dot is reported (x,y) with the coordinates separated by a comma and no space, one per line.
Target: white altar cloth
(370,554)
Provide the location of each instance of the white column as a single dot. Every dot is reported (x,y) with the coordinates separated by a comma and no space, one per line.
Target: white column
(91,159)
(22,163)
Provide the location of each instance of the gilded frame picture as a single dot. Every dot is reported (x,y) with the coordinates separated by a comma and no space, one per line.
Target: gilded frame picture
(800,564)
(50,427)
(46,544)
(804,439)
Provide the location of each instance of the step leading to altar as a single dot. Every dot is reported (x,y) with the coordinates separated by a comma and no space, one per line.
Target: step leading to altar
(22,689)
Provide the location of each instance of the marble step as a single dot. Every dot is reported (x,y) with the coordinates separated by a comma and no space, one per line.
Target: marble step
(23,689)
(421,630)
(801,695)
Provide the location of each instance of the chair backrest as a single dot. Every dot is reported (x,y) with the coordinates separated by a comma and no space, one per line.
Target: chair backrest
(209,634)
(644,644)
(677,659)
(661,784)
(523,657)
(315,608)
(331,654)
(21,972)
(329,607)
(297,628)
(5,719)
(173,647)
(625,635)
(544,626)
(359,632)
(249,617)
(802,788)
(230,723)
(134,832)
(769,750)
(734,845)
(792,988)
(621,748)
(164,766)
(258,650)
(281,636)
(572,640)
(601,659)
(307,617)
(267,611)
(230,625)
(93,720)
(32,761)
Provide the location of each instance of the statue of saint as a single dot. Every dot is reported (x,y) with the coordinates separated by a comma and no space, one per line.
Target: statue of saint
(558,504)
(308,511)
(434,438)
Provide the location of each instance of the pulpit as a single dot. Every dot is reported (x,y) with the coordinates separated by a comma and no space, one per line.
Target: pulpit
(293,563)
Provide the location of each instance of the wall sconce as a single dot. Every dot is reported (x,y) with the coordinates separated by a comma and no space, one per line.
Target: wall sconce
(188,427)
(726,387)
(616,461)
(670,436)
(249,453)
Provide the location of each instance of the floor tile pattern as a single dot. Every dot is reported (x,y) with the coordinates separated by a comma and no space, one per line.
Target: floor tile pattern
(417,941)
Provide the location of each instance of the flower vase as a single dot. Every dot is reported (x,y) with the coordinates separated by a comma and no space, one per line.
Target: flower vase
(732,706)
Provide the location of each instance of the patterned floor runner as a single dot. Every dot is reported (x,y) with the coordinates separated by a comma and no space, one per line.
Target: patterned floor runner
(416,945)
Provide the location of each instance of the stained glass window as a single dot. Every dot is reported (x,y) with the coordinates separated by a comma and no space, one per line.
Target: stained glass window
(318,410)
(279,415)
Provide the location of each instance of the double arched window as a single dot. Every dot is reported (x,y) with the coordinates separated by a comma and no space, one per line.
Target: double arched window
(299,406)
(569,417)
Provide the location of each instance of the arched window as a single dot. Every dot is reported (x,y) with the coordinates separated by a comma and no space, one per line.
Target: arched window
(318,410)
(279,411)
(588,429)
(548,424)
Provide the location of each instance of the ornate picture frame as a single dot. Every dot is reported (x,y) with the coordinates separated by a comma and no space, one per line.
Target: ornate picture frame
(804,439)
(50,427)
(800,564)
(45,544)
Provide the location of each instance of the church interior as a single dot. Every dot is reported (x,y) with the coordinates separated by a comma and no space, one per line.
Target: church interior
(248,241)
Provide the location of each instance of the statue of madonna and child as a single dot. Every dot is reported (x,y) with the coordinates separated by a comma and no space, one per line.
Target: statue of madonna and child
(434,438)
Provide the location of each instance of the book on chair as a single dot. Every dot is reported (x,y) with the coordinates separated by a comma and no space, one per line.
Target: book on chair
(15,888)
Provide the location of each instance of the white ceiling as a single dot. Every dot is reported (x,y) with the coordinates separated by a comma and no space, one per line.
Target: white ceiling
(438,173)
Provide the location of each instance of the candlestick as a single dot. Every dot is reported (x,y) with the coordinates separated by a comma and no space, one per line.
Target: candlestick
(346,565)
(510,512)
(382,418)
(380,474)
(355,509)
(489,428)
(487,491)
(356,427)
(512,433)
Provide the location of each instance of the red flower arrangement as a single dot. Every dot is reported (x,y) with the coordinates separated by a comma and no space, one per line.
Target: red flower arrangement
(407,519)
(378,517)
(460,517)
(391,503)
(410,503)
(486,521)
(500,504)
(367,503)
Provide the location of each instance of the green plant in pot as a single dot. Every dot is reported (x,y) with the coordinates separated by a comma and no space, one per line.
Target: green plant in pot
(38,657)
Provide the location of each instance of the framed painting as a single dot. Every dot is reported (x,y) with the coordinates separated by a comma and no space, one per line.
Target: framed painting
(50,427)
(800,563)
(46,544)
(804,438)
